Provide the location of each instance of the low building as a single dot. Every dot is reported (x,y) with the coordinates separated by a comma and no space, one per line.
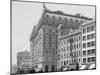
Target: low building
(24,60)
(89,43)
(14,69)
(69,47)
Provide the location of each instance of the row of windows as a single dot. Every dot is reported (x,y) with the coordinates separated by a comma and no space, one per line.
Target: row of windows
(63,42)
(89,44)
(67,55)
(90,36)
(89,29)
(61,20)
(74,47)
(90,59)
(67,62)
(92,51)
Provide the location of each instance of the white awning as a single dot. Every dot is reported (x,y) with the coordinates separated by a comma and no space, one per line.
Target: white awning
(38,69)
(92,66)
(40,65)
(82,67)
(64,69)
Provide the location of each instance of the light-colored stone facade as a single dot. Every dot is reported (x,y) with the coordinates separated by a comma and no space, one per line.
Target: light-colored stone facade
(88,42)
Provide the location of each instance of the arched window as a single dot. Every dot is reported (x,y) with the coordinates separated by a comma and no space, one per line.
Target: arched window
(46,19)
(71,22)
(60,20)
(81,22)
(76,22)
(53,19)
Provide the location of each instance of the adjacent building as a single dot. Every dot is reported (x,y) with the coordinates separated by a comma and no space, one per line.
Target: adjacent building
(69,47)
(24,60)
(89,43)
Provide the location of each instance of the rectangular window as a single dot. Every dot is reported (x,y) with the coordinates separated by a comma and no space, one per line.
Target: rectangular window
(64,49)
(84,45)
(93,59)
(67,48)
(84,52)
(92,28)
(84,38)
(58,50)
(92,35)
(64,55)
(93,43)
(88,44)
(88,37)
(84,60)
(84,31)
(67,61)
(88,29)
(79,38)
(77,45)
(89,52)
(93,51)
(74,46)
(67,41)
(61,49)
(58,56)
(89,60)
(61,62)
(64,42)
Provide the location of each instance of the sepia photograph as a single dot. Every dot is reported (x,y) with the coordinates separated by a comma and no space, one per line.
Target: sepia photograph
(52,37)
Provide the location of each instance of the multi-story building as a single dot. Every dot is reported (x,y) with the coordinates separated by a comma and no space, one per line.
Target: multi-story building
(44,37)
(24,60)
(69,47)
(89,43)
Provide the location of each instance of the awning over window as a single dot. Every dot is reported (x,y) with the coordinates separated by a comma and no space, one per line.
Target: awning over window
(72,66)
(92,66)
(64,69)
(38,67)
(82,67)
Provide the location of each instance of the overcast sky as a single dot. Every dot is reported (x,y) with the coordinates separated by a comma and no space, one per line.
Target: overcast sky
(26,14)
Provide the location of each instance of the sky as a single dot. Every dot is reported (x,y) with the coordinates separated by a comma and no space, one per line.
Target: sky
(27,14)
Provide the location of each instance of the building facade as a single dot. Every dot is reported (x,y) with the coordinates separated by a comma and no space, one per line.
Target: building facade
(24,60)
(44,37)
(89,42)
(69,48)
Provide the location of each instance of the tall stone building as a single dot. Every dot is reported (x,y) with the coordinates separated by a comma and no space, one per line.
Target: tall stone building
(44,37)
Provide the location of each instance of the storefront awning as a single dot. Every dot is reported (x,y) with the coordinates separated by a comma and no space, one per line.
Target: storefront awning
(64,69)
(39,67)
(72,66)
(82,67)
(92,66)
